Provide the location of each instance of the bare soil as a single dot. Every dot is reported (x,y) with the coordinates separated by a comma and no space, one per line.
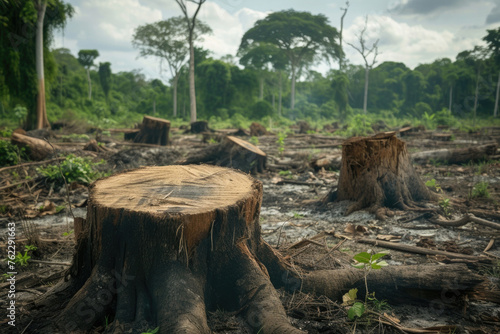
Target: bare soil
(290,213)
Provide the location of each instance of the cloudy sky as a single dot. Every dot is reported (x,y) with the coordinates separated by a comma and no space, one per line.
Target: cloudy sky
(410,31)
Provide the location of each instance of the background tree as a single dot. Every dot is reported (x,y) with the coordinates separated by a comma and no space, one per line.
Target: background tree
(492,40)
(167,40)
(191,24)
(105,77)
(25,39)
(342,53)
(365,52)
(86,59)
(298,34)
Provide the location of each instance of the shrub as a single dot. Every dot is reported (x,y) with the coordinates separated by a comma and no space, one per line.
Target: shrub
(10,154)
(79,169)
(481,190)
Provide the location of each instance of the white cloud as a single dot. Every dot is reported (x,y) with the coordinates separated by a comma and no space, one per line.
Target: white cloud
(228,29)
(411,44)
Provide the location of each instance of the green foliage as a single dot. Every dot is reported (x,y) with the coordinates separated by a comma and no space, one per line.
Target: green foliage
(10,154)
(261,109)
(433,184)
(281,142)
(152,331)
(285,173)
(254,140)
(428,120)
(480,190)
(359,125)
(356,310)
(22,259)
(445,205)
(74,169)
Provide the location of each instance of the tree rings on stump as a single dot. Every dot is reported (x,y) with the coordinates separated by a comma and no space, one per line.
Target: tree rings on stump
(231,152)
(162,245)
(153,131)
(377,172)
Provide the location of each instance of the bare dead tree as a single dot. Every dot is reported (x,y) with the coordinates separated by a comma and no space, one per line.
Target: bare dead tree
(366,52)
(342,56)
(191,22)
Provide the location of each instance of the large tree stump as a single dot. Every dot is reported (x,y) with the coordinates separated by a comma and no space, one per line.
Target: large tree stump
(199,127)
(153,131)
(231,152)
(377,172)
(162,245)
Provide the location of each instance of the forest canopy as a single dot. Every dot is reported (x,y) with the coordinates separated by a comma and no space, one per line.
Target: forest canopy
(273,79)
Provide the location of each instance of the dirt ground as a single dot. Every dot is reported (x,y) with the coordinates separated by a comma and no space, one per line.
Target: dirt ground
(290,213)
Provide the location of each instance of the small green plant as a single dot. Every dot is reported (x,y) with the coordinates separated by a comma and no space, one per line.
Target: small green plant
(367,262)
(66,234)
(285,173)
(297,215)
(429,120)
(445,205)
(433,184)
(22,259)
(212,141)
(6,276)
(480,190)
(59,208)
(152,331)
(74,168)
(254,140)
(281,142)
(20,112)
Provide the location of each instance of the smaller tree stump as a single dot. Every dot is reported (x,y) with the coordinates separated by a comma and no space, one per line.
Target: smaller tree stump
(153,131)
(199,127)
(231,152)
(377,172)
(257,129)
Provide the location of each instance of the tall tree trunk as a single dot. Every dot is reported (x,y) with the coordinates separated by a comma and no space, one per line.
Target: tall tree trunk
(365,100)
(90,83)
(495,112)
(41,111)
(341,59)
(261,88)
(273,100)
(176,80)
(292,101)
(476,98)
(192,91)
(280,93)
(451,98)
(154,107)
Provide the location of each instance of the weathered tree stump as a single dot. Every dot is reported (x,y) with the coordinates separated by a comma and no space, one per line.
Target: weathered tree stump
(257,129)
(153,131)
(377,173)
(162,245)
(199,127)
(38,149)
(231,152)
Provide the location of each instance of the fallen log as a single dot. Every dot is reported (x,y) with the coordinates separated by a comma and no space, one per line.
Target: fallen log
(398,284)
(422,250)
(328,162)
(464,220)
(38,149)
(456,156)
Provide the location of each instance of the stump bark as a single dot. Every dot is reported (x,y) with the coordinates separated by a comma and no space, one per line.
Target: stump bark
(199,127)
(162,245)
(153,131)
(231,152)
(377,172)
